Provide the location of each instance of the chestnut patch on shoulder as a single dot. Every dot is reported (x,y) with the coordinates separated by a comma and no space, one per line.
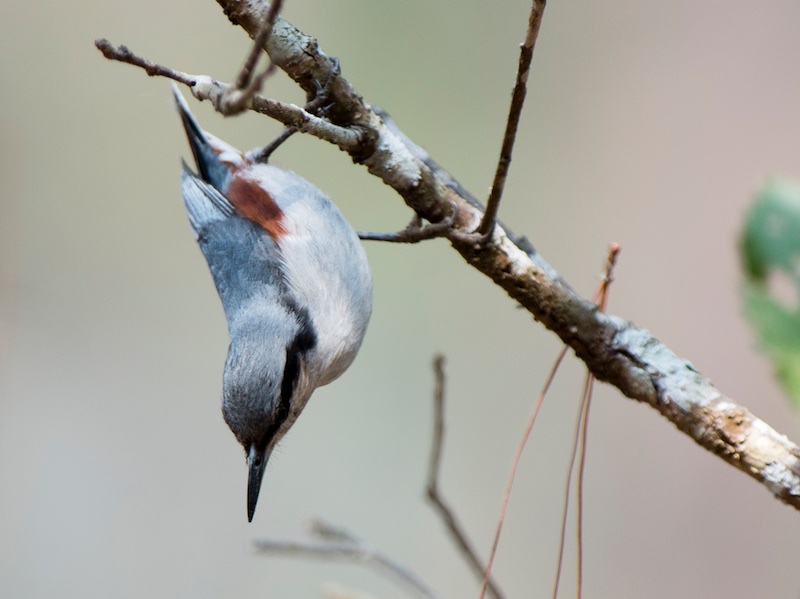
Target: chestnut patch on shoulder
(256,204)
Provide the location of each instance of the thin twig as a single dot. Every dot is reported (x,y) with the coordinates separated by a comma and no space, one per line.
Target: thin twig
(586,406)
(315,106)
(580,437)
(517,457)
(601,296)
(514,112)
(264,154)
(344,545)
(237,97)
(415,231)
(446,513)
(123,54)
(437,445)
(567,492)
(602,301)
(447,178)
(245,75)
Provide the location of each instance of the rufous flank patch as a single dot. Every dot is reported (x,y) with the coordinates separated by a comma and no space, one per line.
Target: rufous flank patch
(256,204)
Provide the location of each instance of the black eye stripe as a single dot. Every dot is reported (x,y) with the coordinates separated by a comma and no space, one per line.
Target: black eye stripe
(291,373)
(304,341)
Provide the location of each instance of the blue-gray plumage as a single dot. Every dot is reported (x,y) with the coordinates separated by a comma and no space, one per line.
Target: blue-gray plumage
(294,283)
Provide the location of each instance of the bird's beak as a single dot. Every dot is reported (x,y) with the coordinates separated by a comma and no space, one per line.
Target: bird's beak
(257,464)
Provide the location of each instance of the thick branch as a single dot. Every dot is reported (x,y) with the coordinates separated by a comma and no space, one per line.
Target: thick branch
(299,56)
(615,350)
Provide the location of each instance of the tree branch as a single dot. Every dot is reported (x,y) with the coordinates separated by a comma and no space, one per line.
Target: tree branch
(615,350)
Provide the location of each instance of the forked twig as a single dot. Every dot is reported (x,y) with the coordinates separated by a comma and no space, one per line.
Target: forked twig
(514,113)
(238,96)
(337,543)
(206,88)
(445,512)
(448,179)
(246,74)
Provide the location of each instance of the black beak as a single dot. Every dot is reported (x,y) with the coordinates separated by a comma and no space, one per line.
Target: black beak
(257,464)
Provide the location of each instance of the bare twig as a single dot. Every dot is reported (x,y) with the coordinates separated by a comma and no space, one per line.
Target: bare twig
(263,156)
(415,231)
(515,463)
(237,97)
(314,106)
(601,295)
(445,512)
(332,533)
(514,113)
(340,544)
(123,54)
(245,78)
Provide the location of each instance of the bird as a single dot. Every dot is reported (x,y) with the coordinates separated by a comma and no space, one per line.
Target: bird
(294,282)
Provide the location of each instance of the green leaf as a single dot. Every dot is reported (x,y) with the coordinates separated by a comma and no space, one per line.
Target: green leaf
(770,250)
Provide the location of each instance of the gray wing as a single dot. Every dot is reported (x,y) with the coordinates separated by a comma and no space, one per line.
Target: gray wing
(244,261)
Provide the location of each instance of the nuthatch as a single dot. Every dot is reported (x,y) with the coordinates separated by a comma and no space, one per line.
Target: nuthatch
(294,283)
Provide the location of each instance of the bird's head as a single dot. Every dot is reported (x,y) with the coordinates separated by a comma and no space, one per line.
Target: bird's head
(266,384)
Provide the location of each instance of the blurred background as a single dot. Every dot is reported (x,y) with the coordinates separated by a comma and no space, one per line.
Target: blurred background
(647,124)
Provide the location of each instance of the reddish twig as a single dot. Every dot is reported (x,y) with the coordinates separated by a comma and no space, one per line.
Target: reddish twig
(586,404)
(567,492)
(580,436)
(514,465)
